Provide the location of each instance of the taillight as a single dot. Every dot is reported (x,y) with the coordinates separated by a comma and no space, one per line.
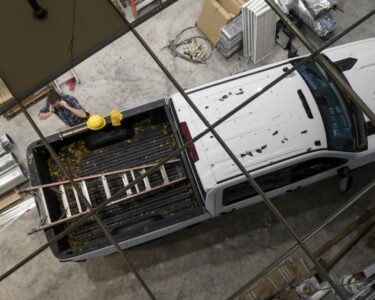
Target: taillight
(187,136)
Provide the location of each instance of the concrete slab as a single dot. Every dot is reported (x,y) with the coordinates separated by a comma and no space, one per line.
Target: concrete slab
(209,261)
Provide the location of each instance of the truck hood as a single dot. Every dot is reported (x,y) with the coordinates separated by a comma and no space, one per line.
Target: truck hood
(273,127)
(362,74)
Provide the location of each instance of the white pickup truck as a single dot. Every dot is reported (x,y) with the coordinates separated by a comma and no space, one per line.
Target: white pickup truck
(300,131)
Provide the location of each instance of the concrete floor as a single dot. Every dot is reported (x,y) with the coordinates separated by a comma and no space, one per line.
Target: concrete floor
(209,261)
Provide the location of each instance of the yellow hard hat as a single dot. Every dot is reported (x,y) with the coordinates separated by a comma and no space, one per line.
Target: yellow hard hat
(116,117)
(95,122)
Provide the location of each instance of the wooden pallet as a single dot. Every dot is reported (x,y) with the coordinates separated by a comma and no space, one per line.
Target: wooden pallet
(9,199)
(29,101)
(5,94)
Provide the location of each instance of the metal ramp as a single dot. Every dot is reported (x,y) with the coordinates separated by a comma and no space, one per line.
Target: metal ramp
(74,207)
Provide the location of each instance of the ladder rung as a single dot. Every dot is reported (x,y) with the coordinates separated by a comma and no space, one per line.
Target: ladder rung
(133,177)
(164,175)
(106,187)
(126,183)
(77,200)
(146,180)
(85,191)
(65,201)
(45,208)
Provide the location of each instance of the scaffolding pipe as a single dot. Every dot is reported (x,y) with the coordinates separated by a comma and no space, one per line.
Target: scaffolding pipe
(7,162)
(2,151)
(81,220)
(11,179)
(237,162)
(309,236)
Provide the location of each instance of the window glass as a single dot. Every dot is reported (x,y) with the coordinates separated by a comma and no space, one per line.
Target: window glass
(280,178)
(337,118)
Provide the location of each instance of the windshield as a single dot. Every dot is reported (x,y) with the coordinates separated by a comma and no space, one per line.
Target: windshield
(338,120)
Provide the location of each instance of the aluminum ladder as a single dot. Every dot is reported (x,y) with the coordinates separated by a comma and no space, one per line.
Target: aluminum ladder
(127,176)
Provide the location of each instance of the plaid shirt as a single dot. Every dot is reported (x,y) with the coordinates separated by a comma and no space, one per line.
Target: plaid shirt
(65,115)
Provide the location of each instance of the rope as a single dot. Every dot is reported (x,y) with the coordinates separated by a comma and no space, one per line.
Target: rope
(194,51)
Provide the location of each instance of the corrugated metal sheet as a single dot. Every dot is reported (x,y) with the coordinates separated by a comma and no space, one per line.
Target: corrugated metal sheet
(259,31)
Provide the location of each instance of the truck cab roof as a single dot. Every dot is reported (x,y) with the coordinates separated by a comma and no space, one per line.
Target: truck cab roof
(281,123)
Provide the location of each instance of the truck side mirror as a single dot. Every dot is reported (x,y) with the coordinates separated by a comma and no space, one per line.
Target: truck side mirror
(346,179)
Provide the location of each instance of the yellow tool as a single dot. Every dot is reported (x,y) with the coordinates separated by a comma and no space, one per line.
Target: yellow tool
(95,122)
(116,117)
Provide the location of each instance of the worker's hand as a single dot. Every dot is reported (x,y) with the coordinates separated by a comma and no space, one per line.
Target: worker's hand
(51,109)
(64,104)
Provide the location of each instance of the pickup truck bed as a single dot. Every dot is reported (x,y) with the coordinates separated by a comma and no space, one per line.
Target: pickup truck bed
(154,137)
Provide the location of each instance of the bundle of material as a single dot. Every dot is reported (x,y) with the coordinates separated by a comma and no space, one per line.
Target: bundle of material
(286,5)
(230,39)
(316,14)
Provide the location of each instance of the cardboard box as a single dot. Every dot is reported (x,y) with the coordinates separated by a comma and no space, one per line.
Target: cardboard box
(215,14)
(232,6)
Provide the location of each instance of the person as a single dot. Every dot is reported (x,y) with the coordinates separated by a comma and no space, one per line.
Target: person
(66,107)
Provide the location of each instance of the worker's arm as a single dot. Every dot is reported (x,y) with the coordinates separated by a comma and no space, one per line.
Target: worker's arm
(45,115)
(79,112)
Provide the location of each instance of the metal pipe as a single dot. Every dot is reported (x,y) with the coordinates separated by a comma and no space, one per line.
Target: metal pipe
(2,151)
(7,162)
(309,236)
(93,213)
(38,11)
(6,142)
(171,156)
(324,63)
(11,179)
(237,162)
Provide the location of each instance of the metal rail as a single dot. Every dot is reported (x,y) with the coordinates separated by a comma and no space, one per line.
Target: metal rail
(81,220)
(83,197)
(178,151)
(128,197)
(57,183)
(241,167)
(310,235)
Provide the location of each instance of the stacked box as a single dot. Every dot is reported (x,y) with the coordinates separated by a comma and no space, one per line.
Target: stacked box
(230,38)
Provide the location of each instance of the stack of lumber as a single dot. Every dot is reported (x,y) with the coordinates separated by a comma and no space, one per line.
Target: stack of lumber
(9,199)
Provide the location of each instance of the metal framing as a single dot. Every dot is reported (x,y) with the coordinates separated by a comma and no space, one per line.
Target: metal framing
(315,54)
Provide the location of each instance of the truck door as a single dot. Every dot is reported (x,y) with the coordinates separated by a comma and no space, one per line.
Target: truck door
(238,194)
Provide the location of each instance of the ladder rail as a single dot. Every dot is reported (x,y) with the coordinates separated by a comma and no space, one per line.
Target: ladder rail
(52,224)
(80,179)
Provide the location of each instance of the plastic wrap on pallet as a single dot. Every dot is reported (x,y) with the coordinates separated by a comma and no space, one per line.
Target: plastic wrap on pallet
(322,26)
(318,7)
(286,5)
(233,29)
